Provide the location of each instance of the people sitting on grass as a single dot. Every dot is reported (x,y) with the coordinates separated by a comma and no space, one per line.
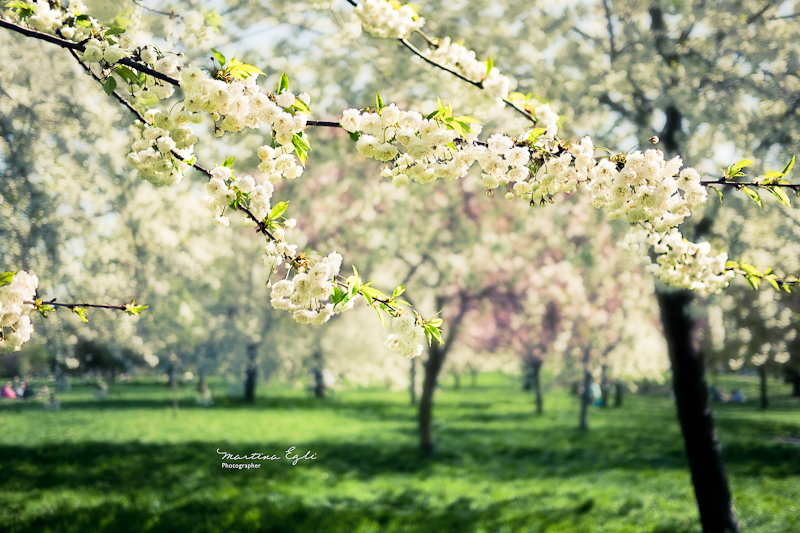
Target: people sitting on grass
(8,391)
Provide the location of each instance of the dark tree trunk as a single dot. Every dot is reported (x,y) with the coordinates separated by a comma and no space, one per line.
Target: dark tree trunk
(618,394)
(456,380)
(251,374)
(319,378)
(796,383)
(586,396)
(604,387)
(170,375)
(412,389)
(762,375)
(536,385)
(433,365)
(691,396)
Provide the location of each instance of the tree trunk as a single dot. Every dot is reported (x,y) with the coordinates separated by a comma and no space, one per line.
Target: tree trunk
(691,396)
(251,374)
(474,376)
(319,378)
(762,374)
(618,394)
(586,396)
(412,389)
(604,387)
(537,388)
(432,367)
(456,380)
(796,383)
(174,380)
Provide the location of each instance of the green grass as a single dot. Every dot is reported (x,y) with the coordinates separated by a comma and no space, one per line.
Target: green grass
(127,464)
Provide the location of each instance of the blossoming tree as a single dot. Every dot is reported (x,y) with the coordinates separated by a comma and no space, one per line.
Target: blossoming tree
(173,101)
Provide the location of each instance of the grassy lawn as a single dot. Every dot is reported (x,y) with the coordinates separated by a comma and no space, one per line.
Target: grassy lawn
(127,464)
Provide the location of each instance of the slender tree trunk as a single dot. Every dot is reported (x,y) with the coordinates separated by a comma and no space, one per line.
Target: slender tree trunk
(537,388)
(319,378)
(796,383)
(456,380)
(474,376)
(432,367)
(174,380)
(762,374)
(691,396)
(412,388)
(604,387)
(251,374)
(586,396)
(618,394)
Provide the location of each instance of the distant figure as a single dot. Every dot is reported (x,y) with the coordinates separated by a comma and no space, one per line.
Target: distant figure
(100,390)
(27,391)
(19,389)
(204,396)
(597,394)
(718,395)
(738,396)
(7,391)
(44,393)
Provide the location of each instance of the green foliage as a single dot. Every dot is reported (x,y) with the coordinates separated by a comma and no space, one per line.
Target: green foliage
(301,146)
(489,66)
(213,20)
(228,162)
(283,84)
(753,196)
(133,309)
(6,278)
(23,9)
(277,210)
(109,85)
(81,312)
(237,69)
(43,308)
(219,57)
(379,101)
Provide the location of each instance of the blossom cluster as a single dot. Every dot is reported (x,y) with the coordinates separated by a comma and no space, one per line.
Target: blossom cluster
(223,189)
(241,104)
(195,32)
(464,61)
(689,265)
(428,152)
(279,163)
(15,323)
(50,19)
(306,294)
(164,135)
(407,337)
(646,189)
(382,19)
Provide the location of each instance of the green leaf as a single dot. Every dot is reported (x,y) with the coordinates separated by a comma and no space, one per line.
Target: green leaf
(278,209)
(773,283)
(754,281)
(719,192)
(781,195)
(354,136)
(301,146)
(213,20)
(731,264)
(133,309)
(436,322)
(283,85)
(6,278)
(470,120)
(301,107)
(228,162)
(400,289)
(243,71)
(43,308)
(109,85)
(750,269)
(788,167)
(83,20)
(372,292)
(754,195)
(81,312)
(489,66)
(379,101)
(734,169)
(116,30)
(128,75)
(533,134)
(23,9)
(220,58)
(771,176)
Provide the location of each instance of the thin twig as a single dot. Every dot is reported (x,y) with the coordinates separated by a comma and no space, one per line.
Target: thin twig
(64,43)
